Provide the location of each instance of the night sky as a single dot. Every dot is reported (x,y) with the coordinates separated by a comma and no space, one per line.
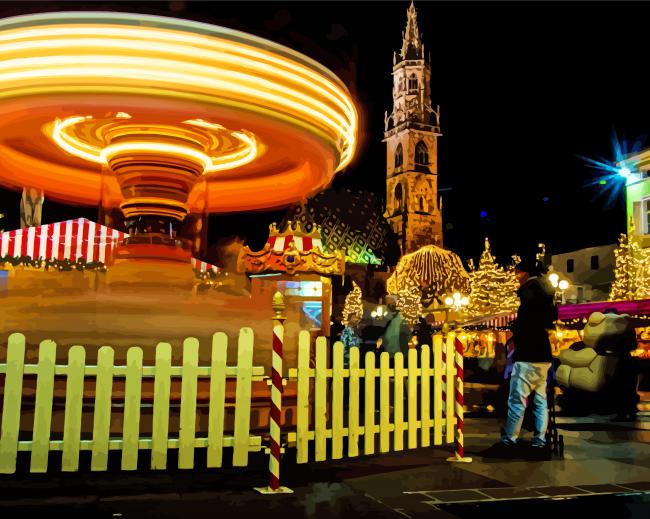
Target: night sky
(525,89)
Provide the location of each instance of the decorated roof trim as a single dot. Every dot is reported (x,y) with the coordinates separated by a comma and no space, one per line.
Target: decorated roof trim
(292,251)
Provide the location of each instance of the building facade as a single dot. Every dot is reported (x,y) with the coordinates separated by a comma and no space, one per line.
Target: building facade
(638,196)
(411,135)
(589,271)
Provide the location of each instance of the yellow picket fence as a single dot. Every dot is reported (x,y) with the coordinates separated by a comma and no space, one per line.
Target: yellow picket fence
(425,389)
(131,441)
(336,408)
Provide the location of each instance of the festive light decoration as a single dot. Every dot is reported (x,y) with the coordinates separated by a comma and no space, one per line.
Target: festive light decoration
(353,304)
(408,302)
(494,289)
(438,269)
(53,264)
(632,271)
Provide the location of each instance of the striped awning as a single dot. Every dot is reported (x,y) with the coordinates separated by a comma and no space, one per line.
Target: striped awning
(303,243)
(72,240)
(202,266)
(489,321)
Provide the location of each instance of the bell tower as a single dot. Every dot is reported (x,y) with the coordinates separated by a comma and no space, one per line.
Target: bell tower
(411,134)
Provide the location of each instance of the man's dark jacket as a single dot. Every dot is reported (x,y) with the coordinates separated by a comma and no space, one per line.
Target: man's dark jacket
(535,316)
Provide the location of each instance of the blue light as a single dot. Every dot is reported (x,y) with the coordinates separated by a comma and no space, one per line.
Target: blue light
(545,199)
(624,172)
(483,214)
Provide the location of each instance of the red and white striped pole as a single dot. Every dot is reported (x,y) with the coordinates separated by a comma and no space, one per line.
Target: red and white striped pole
(276,400)
(459,455)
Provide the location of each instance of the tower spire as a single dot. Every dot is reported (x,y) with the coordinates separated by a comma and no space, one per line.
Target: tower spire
(411,43)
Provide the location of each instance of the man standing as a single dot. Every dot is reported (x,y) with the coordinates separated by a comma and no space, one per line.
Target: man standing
(532,356)
(398,334)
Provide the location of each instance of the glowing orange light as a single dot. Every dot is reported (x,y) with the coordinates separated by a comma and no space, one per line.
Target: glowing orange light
(243,114)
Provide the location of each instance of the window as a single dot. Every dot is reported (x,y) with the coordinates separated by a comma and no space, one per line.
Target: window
(399,156)
(421,205)
(398,197)
(581,294)
(569,265)
(421,154)
(594,263)
(645,209)
(413,83)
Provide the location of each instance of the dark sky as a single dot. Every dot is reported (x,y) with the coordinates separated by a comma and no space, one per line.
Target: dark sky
(525,89)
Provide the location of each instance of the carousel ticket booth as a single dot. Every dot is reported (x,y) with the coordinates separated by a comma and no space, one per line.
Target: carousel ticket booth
(293,263)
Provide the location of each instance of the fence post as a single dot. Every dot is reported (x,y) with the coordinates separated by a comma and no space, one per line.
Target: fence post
(276,400)
(459,454)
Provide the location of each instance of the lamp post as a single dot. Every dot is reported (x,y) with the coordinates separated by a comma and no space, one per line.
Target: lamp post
(379,313)
(455,302)
(560,285)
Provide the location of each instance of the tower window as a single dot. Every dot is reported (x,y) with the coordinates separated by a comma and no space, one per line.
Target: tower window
(421,205)
(421,154)
(399,156)
(413,83)
(398,197)
(569,265)
(594,263)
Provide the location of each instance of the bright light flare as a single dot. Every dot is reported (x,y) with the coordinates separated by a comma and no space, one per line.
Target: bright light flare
(624,172)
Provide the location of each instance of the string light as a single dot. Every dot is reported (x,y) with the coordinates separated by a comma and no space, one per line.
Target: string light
(493,288)
(353,304)
(632,273)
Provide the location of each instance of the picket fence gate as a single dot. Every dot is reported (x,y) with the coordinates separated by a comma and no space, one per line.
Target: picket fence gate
(430,403)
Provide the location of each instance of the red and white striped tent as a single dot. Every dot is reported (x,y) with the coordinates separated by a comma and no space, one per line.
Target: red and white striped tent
(72,240)
(202,266)
(491,321)
(303,243)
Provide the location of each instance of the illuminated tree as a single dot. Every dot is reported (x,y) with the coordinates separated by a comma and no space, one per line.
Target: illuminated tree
(408,302)
(632,273)
(353,304)
(494,288)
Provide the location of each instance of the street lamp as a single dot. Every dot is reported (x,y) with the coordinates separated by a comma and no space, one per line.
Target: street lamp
(457,301)
(559,284)
(379,313)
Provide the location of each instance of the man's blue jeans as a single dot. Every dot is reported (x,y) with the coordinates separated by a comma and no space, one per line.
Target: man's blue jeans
(526,378)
